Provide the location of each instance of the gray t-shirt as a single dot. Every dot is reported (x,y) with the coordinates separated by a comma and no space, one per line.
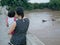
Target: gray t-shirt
(19,36)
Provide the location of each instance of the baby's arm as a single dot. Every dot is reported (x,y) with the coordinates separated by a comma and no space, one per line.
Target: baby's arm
(12,28)
(7,22)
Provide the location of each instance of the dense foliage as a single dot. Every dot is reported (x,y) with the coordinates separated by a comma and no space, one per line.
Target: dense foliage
(15,3)
(12,4)
(54,4)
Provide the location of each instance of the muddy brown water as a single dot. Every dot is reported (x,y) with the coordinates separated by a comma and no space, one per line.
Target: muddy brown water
(48,32)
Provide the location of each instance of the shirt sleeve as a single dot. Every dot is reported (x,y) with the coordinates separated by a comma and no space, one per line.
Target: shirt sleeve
(14,18)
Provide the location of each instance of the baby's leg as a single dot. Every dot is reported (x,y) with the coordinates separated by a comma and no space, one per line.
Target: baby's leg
(9,43)
(10,36)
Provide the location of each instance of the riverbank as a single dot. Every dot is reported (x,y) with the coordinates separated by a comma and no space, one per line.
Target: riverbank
(41,10)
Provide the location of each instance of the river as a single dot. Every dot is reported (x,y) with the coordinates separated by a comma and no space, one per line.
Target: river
(49,30)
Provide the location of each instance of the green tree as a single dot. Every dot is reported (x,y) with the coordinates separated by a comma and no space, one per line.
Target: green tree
(41,5)
(15,3)
(54,4)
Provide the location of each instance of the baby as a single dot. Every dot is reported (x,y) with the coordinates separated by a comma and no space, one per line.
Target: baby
(10,20)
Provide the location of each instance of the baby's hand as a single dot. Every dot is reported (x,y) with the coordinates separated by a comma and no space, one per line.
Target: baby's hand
(7,25)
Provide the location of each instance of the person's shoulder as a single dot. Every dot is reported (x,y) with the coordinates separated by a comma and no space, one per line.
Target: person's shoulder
(27,19)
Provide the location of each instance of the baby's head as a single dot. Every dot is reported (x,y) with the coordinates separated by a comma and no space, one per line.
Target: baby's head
(11,13)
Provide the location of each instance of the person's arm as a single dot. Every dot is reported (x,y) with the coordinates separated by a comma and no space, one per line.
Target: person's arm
(14,18)
(12,28)
(7,22)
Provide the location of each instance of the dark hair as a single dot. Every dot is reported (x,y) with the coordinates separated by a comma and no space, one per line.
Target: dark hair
(11,13)
(20,11)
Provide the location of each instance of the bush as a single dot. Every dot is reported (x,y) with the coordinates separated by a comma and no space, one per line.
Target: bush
(12,4)
(36,6)
(54,4)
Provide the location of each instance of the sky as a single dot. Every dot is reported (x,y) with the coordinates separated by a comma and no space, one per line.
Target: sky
(39,1)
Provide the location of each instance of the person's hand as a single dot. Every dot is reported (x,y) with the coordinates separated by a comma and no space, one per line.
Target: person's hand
(7,25)
(8,34)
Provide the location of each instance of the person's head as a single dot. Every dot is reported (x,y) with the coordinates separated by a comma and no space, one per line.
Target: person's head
(19,12)
(11,13)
